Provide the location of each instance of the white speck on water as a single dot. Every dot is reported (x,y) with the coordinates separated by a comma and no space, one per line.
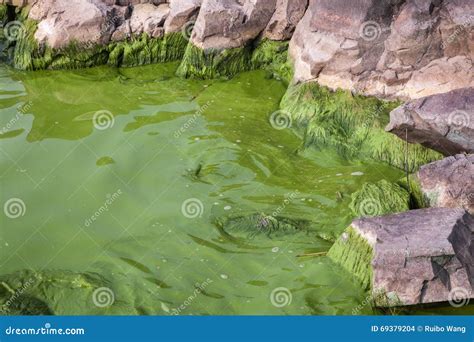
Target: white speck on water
(339,174)
(224,276)
(227,207)
(216,203)
(301,265)
(275,249)
(357,173)
(197,139)
(238,141)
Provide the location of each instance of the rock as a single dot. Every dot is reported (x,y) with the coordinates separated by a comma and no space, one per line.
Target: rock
(375,199)
(148,18)
(449,182)
(287,15)
(63,21)
(224,24)
(182,13)
(443,122)
(416,257)
(388,49)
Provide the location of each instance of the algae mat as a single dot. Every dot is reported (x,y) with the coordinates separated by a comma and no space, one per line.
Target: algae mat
(116,186)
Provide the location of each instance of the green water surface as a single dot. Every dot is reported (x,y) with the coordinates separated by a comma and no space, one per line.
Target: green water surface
(110,202)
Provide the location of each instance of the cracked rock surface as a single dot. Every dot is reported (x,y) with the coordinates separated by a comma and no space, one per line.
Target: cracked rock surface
(421,256)
(442,122)
(449,182)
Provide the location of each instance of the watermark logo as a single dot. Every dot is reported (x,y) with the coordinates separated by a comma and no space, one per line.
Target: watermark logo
(103,119)
(281,297)
(458,120)
(103,297)
(192,208)
(369,207)
(370,31)
(280,120)
(458,297)
(12,30)
(14,208)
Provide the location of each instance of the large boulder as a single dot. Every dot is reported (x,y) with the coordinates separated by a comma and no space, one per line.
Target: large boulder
(416,257)
(449,182)
(148,18)
(183,14)
(224,24)
(443,122)
(287,15)
(388,48)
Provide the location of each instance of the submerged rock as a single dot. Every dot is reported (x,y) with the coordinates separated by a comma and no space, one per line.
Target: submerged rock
(443,122)
(376,199)
(449,182)
(416,257)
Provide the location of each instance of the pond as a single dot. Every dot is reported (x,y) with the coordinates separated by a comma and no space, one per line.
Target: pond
(143,181)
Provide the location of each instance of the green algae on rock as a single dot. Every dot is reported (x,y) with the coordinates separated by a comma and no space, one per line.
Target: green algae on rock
(353,124)
(212,63)
(354,254)
(376,199)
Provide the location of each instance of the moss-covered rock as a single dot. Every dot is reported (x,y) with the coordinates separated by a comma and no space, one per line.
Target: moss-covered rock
(381,198)
(352,124)
(412,185)
(354,254)
(264,54)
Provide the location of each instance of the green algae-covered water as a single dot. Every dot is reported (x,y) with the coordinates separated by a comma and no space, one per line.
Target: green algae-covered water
(125,192)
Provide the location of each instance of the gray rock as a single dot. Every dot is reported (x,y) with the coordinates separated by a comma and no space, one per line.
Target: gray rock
(420,256)
(449,182)
(223,24)
(148,18)
(443,122)
(182,13)
(287,15)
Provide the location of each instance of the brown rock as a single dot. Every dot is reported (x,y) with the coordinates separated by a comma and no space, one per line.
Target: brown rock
(420,256)
(283,22)
(148,18)
(223,24)
(449,182)
(443,122)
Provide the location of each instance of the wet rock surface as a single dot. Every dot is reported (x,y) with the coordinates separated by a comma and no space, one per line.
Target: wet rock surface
(449,182)
(443,122)
(421,256)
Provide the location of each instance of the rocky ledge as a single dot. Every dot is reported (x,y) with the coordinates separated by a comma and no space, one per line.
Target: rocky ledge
(416,257)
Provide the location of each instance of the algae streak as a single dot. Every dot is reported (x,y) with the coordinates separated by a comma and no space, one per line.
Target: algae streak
(353,124)
(354,254)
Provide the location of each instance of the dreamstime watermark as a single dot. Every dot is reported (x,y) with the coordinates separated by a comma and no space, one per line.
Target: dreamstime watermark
(15,294)
(12,30)
(281,297)
(21,110)
(459,296)
(187,29)
(370,31)
(103,297)
(368,301)
(280,119)
(14,208)
(111,198)
(460,29)
(103,119)
(459,119)
(289,197)
(198,289)
(192,208)
(369,207)
(191,121)
(46,330)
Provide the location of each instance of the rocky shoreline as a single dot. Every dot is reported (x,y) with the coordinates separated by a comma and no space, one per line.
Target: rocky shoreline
(342,61)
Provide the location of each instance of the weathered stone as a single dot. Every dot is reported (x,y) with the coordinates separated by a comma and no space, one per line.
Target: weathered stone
(287,15)
(399,49)
(443,122)
(223,24)
(148,18)
(416,257)
(449,182)
(182,13)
